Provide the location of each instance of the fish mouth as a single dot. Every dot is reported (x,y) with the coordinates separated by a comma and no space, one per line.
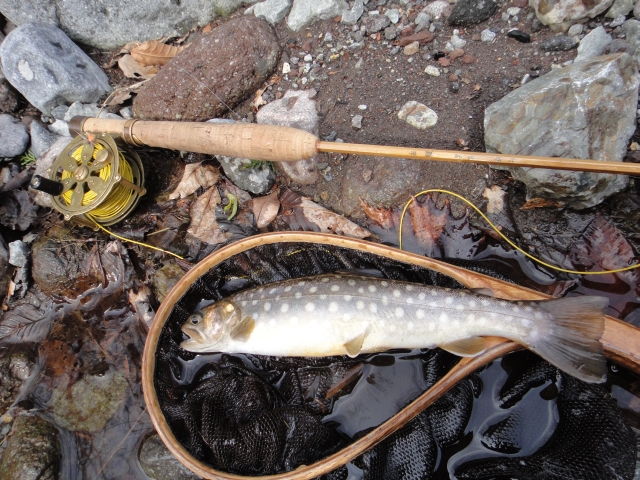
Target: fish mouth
(192,345)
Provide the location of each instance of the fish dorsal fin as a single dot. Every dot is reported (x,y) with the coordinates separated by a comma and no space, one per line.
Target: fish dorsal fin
(243,330)
(487,292)
(467,347)
(354,346)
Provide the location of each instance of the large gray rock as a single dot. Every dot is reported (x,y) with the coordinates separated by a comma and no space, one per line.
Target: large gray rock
(273,11)
(471,12)
(217,72)
(559,15)
(583,111)
(593,44)
(620,7)
(249,175)
(13,136)
(304,12)
(41,139)
(108,24)
(631,30)
(351,16)
(295,109)
(43,64)
(160,464)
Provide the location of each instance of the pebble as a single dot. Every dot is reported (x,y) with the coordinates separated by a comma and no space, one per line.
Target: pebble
(558,43)
(457,53)
(418,115)
(390,33)
(412,48)
(356,121)
(519,35)
(513,11)
(487,36)
(457,42)
(286,68)
(308,58)
(433,71)
(525,79)
(15,138)
(619,20)
(41,139)
(575,30)
(422,19)
(394,15)
(454,87)
(454,78)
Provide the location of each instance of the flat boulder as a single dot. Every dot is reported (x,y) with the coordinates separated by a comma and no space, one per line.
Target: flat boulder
(586,111)
(471,12)
(559,15)
(217,72)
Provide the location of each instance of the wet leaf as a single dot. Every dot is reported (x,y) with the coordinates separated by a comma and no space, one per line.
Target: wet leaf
(132,69)
(495,199)
(301,213)
(141,303)
(539,203)
(17,209)
(203,218)
(195,175)
(428,222)
(381,216)
(155,53)
(265,209)
(26,323)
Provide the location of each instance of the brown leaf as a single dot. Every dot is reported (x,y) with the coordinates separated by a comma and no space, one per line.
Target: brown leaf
(428,222)
(539,203)
(265,209)
(132,69)
(207,28)
(203,218)
(195,175)
(155,53)
(141,303)
(117,97)
(381,216)
(423,37)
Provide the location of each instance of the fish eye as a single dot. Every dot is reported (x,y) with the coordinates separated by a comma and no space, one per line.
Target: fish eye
(194,319)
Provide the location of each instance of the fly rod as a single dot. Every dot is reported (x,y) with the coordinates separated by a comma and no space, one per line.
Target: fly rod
(286,144)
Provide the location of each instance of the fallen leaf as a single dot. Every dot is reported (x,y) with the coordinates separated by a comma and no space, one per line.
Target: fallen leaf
(203,218)
(153,52)
(132,69)
(141,303)
(26,323)
(195,175)
(381,216)
(119,96)
(303,213)
(207,28)
(539,203)
(242,196)
(258,101)
(265,209)
(428,222)
(128,47)
(495,199)
(477,87)
(422,37)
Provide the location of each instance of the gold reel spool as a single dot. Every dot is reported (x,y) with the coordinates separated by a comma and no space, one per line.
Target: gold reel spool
(98,180)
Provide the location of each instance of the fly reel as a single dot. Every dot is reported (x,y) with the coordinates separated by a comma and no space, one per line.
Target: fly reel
(92,180)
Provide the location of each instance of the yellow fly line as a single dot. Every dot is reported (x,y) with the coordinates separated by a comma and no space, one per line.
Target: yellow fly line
(504,237)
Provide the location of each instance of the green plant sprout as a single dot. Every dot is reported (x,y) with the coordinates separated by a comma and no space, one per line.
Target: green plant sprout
(232,206)
(27,158)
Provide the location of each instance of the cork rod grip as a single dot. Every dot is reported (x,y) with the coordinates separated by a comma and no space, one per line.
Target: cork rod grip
(243,140)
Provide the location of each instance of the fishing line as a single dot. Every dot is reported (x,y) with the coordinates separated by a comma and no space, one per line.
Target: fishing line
(504,237)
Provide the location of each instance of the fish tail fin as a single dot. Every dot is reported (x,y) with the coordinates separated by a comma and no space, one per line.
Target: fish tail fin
(573,344)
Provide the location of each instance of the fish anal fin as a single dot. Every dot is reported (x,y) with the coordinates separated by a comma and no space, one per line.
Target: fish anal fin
(243,330)
(354,346)
(487,292)
(467,347)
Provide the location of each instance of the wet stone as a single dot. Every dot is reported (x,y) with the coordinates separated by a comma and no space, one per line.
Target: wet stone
(255,177)
(519,35)
(165,279)
(233,60)
(159,464)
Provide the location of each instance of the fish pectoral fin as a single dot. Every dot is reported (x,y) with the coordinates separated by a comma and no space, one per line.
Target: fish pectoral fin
(354,346)
(243,330)
(467,347)
(487,292)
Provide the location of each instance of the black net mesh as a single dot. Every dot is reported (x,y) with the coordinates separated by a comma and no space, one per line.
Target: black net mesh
(255,415)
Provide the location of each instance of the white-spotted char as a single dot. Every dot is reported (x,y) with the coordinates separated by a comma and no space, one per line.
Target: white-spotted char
(348,315)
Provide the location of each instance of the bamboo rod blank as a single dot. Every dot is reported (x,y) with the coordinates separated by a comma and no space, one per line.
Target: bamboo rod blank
(285,144)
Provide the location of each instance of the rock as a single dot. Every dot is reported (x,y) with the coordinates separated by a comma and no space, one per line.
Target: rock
(18,253)
(457,42)
(87,110)
(471,12)
(412,48)
(60,128)
(41,139)
(304,12)
(273,11)
(575,30)
(619,46)
(390,33)
(636,9)
(14,138)
(616,22)
(295,109)
(379,182)
(519,35)
(559,15)
(433,71)
(418,115)
(255,177)
(584,111)
(513,11)
(88,404)
(593,44)
(8,100)
(423,19)
(356,121)
(233,60)
(111,23)
(620,7)
(42,165)
(454,87)
(351,16)
(159,463)
(394,15)
(32,451)
(45,66)
(375,23)
(558,43)
(487,36)
(631,30)
(5,278)
(438,10)
(457,53)
(165,279)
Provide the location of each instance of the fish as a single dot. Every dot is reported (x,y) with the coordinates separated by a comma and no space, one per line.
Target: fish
(337,314)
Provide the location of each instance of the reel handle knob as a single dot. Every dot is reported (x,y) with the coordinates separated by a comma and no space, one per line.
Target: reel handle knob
(45,185)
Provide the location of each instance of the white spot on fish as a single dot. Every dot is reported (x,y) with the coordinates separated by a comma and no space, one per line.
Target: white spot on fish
(399,312)
(298,294)
(372,288)
(410,325)
(385,300)
(254,302)
(287,288)
(421,296)
(528,309)
(433,293)
(261,289)
(333,307)
(302,283)
(255,315)
(325,280)
(352,283)
(284,307)
(448,300)
(504,303)
(444,317)
(373,308)
(277,299)
(361,290)
(313,289)
(419,313)
(409,300)
(433,304)
(432,326)
(409,288)
(459,307)
(538,315)
(526,323)
(472,303)
(515,309)
(520,303)
(384,283)
(396,293)
(267,306)
(335,288)
(309,307)
(243,303)
(359,304)
(272,291)
(323,297)
(347,298)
